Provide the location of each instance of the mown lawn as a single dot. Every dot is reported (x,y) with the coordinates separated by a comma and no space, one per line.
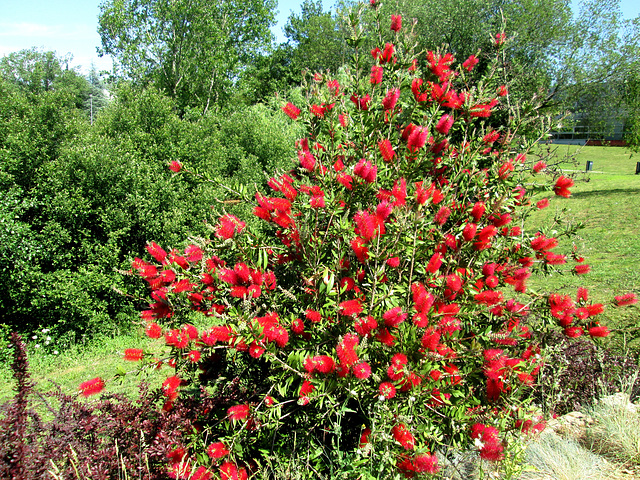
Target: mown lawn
(607,203)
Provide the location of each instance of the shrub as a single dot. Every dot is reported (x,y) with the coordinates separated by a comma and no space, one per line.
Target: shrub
(384,315)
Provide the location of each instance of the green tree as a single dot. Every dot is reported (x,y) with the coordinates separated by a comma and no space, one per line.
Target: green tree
(34,72)
(192,49)
(315,43)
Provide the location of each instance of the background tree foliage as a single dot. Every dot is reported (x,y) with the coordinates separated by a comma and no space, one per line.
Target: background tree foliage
(192,49)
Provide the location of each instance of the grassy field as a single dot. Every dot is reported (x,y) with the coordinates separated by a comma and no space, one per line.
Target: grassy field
(607,203)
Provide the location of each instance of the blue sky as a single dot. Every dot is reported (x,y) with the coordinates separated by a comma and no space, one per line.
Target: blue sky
(70,26)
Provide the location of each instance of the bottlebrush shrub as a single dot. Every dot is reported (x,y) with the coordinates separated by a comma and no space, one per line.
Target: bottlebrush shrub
(387,312)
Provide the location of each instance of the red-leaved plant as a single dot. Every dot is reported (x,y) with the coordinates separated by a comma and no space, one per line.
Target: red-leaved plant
(385,314)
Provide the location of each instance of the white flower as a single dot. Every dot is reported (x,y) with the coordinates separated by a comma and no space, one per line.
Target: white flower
(48,339)
(37,345)
(55,352)
(45,330)
(35,337)
(381,398)
(478,443)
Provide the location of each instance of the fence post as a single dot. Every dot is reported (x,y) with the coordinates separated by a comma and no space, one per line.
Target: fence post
(637,168)
(589,166)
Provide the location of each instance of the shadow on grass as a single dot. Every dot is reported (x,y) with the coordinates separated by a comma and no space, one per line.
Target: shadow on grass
(606,193)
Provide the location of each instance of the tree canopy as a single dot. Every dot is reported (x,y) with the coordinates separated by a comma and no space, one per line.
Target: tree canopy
(192,49)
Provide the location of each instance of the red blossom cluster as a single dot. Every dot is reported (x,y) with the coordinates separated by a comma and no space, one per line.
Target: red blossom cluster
(392,270)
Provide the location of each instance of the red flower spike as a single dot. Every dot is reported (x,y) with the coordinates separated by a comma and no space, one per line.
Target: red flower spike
(291,110)
(403,436)
(626,299)
(391,99)
(470,62)
(133,354)
(217,450)
(562,186)
(238,412)
(386,150)
(396,23)
(91,387)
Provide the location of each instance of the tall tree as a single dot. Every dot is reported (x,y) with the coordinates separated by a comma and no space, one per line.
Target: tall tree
(193,49)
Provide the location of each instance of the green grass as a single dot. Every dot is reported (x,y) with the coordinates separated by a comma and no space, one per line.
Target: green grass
(607,203)
(100,357)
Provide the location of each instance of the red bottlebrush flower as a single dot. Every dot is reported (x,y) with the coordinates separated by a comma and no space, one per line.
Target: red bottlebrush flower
(367,224)
(362,371)
(426,463)
(598,331)
(500,38)
(360,249)
(454,282)
(256,350)
(391,99)
(477,211)
(306,388)
(194,356)
(394,317)
(153,330)
(297,326)
(387,390)
(491,137)
(562,186)
(376,75)
(554,259)
(91,387)
(502,91)
(396,23)
(626,299)
(133,354)
(364,438)
(346,350)
(229,225)
(201,473)
(230,471)
(307,160)
(386,150)
(442,216)
(573,332)
(444,124)
(387,53)
(313,316)
(344,180)
(238,412)
(582,269)
(403,436)
(544,203)
(175,166)
(434,263)
(361,103)
(193,253)
(470,62)
(217,450)
(385,337)
(170,385)
(393,262)
(157,252)
(505,170)
(291,110)
(365,170)
(417,139)
(469,231)
(538,167)
(318,110)
(488,442)
(350,307)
